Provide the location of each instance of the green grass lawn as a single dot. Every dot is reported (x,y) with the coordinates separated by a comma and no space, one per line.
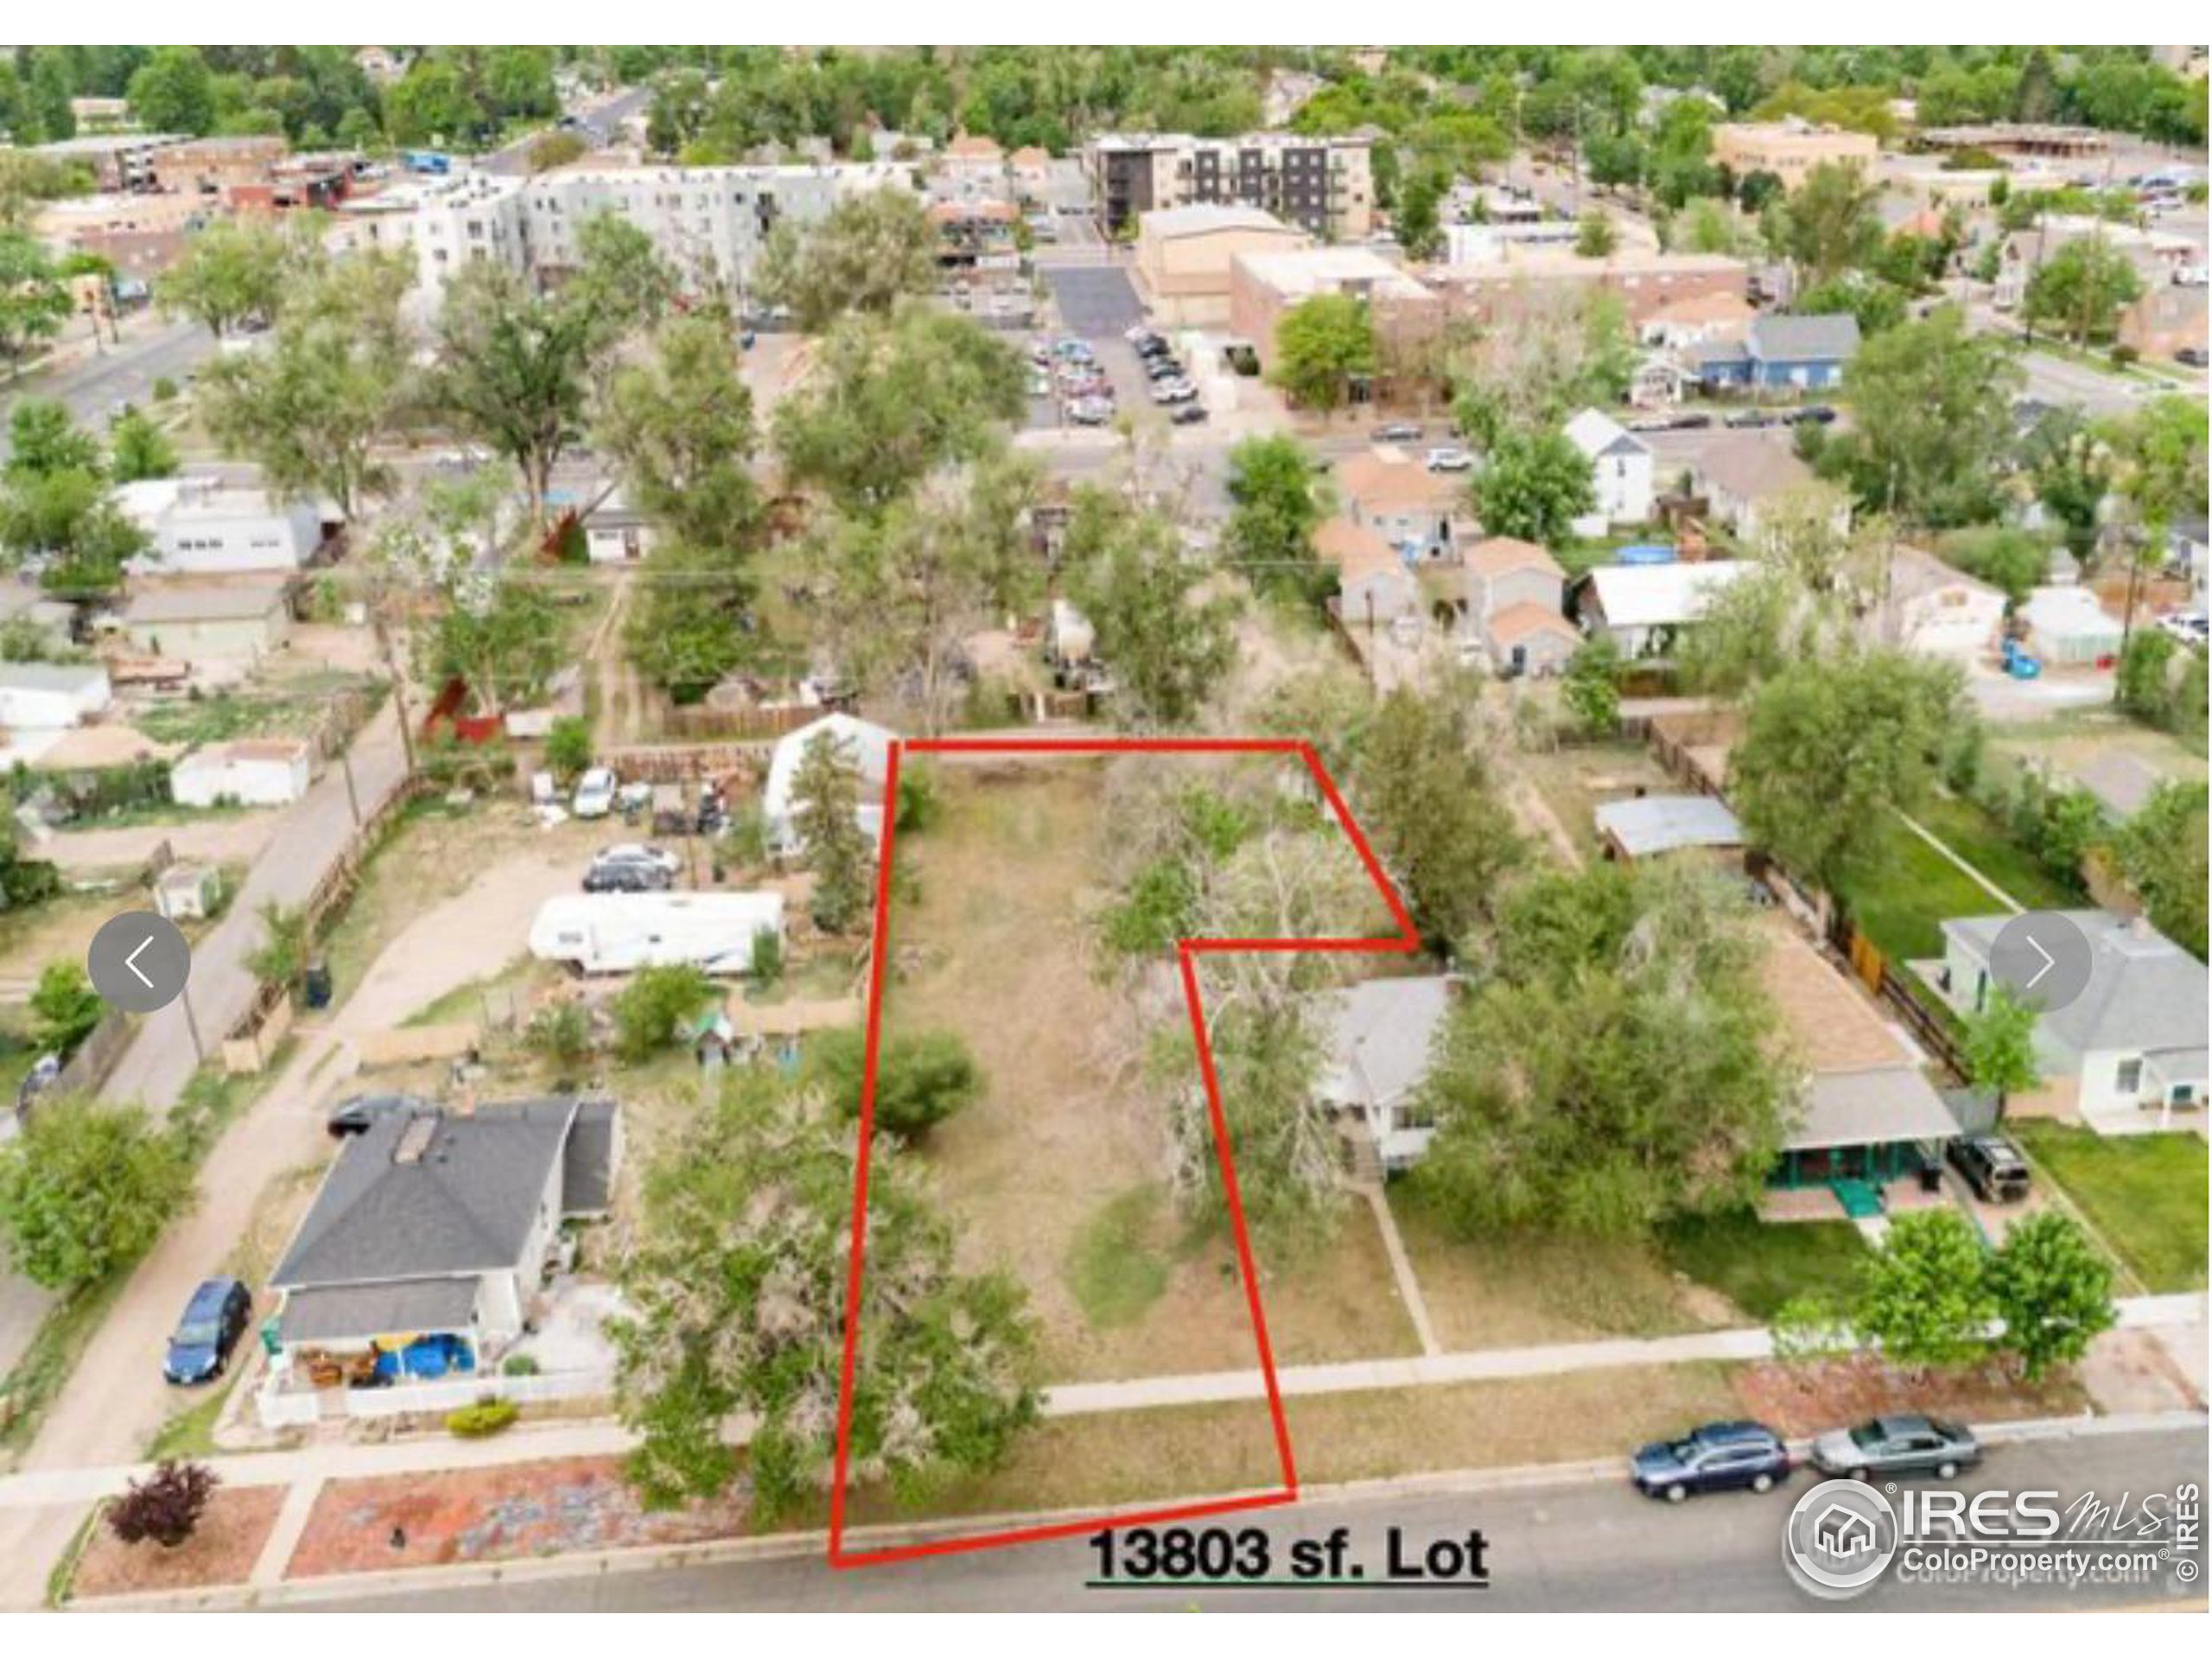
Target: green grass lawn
(1116,1267)
(1902,902)
(2146,1194)
(1759,1265)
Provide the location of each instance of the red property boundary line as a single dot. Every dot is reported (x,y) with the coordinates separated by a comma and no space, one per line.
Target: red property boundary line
(1405,942)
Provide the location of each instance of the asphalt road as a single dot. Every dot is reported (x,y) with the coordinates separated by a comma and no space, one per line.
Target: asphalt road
(1594,1547)
(603,120)
(125,374)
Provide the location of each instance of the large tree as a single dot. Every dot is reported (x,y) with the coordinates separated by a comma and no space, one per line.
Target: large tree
(235,271)
(34,300)
(2053,1289)
(1429,797)
(679,425)
(55,504)
(313,404)
(1998,1046)
(738,1295)
(1618,1065)
(893,399)
(1278,496)
(2080,289)
(1533,485)
(1831,748)
(1166,645)
(1556,353)
(1924,1296)
(86,1188)
(1322,345)
(1830,223)
(869,252)
(500,636)
(826,812)
(2161,853)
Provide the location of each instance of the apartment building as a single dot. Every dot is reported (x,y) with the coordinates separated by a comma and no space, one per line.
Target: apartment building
(1789,150)
(711,222)
(119,160)
(1326,186)
(442,224)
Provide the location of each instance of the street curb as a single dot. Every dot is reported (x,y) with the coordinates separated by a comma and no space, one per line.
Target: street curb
(792,1545)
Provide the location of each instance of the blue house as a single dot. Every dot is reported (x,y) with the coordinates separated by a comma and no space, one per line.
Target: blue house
(1780,353)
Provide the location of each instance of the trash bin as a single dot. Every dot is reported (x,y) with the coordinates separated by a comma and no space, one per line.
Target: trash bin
(317,984)
(1931,1178)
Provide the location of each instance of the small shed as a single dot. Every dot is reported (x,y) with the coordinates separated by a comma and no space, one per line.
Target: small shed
(2067,624)
(51,696)
(252,772)
(1650,826)
(187,893)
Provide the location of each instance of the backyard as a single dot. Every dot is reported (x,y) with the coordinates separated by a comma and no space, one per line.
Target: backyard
(1904,897)
(2144,1193)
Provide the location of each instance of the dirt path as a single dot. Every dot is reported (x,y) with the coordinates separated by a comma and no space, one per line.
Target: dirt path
(1537,817)
(622,691)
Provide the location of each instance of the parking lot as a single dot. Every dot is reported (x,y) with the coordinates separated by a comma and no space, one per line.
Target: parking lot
(1095,302)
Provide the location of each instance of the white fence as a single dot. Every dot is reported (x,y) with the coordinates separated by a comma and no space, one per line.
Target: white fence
(281,1407)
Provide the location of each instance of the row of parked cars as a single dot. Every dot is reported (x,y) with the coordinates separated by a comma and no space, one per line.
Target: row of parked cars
(1749,1456)
(1171,388)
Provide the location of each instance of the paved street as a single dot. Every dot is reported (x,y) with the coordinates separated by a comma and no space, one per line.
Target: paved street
(1591,1547)
(602,122)
(153,349)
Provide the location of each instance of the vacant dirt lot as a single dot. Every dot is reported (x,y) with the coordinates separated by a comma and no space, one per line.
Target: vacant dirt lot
(491,1515)
(992,943)
(222,1551)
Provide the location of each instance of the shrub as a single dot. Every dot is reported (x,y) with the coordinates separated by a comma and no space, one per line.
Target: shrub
(922,1077)
(164,390)
(652,1004)
(767,964)
(165,1507)
(568,747)
(562,1033)
(487,1417)
(64,1008)
(519,1365)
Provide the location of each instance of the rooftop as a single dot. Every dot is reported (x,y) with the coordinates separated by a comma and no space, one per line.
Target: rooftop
(1307,271)
(1499,554)
(2146,994)
(1378,1037)
(1200,217)
(1750,466)
(1379,481)
(227,600)
(1656,595)
(1651,824)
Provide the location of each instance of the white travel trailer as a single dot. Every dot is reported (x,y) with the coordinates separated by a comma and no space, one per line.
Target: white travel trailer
(621,932)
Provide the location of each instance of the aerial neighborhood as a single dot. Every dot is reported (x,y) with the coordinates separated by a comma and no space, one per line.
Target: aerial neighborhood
(911,791)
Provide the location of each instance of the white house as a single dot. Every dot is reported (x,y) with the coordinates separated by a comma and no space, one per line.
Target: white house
(867,747)
(617,533)
(1937,610)
(253,771)
(202,526)
(1515,605)
(1378,1036)
(2131,1047)
(2067,624)
(1642,607)
(51,696)
(239,620)
(1620,472)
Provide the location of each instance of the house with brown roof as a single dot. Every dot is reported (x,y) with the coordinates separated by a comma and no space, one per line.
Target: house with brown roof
(1374,587)
(1739,473)
(1695,318)
(1515,596)
(1421,514)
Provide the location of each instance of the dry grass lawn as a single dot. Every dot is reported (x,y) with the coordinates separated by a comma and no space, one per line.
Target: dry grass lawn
(222,1551)
(991,942)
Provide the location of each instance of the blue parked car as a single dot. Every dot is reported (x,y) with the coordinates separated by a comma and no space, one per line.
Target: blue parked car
(1710,1459)
(214,1321)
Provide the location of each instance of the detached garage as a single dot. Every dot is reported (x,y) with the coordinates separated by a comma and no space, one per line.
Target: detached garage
(253,771)
(51,696)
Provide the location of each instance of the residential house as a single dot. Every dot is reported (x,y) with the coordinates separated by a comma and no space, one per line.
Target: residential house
(1643,608)
(1376,1041)
(252,772)
(1515,607)
(434,1232)
(1654,826)
(52,696)
(1934,609)
(1183,255)
(202,526)
(866,748)
(1374,587)
(1741,474)
(1789,149)
(1780,352)
(615,532)
(1867,1123)
(1697,318)
(236,621)
(2131,1044)
(1620,472)
(1420,513)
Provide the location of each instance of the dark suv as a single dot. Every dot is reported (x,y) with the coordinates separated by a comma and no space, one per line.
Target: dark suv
(1713,1458)
(214,1321)
(1992,1166)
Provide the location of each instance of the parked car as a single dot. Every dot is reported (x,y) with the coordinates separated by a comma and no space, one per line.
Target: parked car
(1695,420)
(1992,1166)
(2191,356)
(1812,414)
(353,1114)
(1715,1458)
(594,797)
(628,877)
(2188,627)
(1090,411)
(1907,1444)
(1749,418)
(1174,391)
(1396,432)
(213,1320)
(1449,458)
(1187,413)
(1163,368)
(638,852)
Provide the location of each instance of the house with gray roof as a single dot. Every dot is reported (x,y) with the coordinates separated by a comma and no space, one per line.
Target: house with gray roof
(2130,1049)
(1376,1038)
(440,1222)
(1780,352)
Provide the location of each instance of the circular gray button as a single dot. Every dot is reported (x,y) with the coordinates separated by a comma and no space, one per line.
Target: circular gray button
(138,961)
(2043,957)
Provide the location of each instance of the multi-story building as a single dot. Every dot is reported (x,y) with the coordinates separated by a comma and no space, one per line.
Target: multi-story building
(1789,150)
(711,222)
(1324,185)
(442,223)
(212,167)
(119,160)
